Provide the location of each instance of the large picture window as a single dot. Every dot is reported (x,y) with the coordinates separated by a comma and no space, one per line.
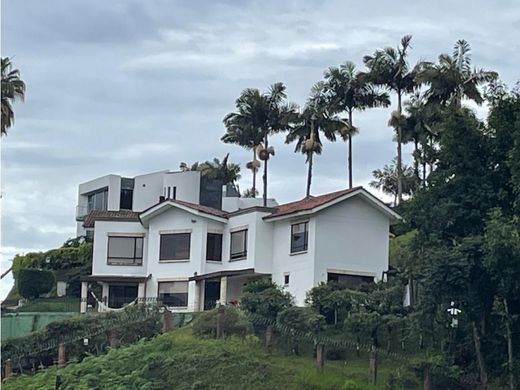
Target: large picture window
(214,247)
(238,245)
(97,200)
(174,293)
(299,237)
(125,250)
(175,246)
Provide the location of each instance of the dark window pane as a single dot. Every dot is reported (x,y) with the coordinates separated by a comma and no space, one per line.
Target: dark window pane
(173,293)
(238,244)
(126,199)
(214,247)
(97,200)
(125,250)
(299,237)
(286,279)
(175,246)
(349,281)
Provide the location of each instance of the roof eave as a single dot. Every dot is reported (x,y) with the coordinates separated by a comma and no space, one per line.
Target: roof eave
(147,215)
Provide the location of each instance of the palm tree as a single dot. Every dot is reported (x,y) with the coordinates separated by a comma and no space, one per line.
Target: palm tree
(452,78)
(226,172)
(351,91)
(13,88)
(386,180)
(258,116)
(389,68)
(315,119)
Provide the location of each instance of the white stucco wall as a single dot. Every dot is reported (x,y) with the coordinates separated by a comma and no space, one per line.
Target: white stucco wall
(300,267)
(187,183)
(102,229)
(352,237)
(147,189)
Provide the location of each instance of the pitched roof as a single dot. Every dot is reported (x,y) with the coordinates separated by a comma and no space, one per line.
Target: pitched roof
(109,215)
(202,209)
(308,203)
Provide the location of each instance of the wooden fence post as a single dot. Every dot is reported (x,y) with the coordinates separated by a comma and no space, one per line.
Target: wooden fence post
(269,336)
(112,339)
(166,321)
(61,355)
(8,370)
(220,322)
(372,370)
(320,356)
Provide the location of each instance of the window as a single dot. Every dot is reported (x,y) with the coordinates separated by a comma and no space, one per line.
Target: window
(350,281)
(299,237)
(286,279)
(97,200)
(175,246)
(238,244)
(214,247)
(174,293)
(125,250)
(125,201)
(170,192)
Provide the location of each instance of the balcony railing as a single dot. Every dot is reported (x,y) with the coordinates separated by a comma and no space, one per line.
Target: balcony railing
(81,212)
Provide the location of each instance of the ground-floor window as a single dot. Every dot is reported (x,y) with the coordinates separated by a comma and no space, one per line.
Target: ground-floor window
(350,281)
(120,295)
(174,293)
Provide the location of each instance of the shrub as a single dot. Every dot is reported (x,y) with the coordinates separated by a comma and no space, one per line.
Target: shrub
(235,323)
(33,282)
(265,299)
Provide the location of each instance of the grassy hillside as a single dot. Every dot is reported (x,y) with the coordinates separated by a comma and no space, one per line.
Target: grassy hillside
(178,360)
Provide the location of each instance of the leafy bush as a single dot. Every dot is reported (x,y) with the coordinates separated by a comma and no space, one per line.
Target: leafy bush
(265,299)
(31,283)
(235,323)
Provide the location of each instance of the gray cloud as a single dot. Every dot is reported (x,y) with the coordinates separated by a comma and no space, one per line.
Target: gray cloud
(130,87)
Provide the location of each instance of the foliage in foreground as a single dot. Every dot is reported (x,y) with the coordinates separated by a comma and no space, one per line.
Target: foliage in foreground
(177,360)
(31,282)
(235,323)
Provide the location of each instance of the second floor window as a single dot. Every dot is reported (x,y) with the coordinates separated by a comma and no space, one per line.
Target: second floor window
(125,250)
(175,246)
(238,248)
(214,247)
(299,237)
(97,200)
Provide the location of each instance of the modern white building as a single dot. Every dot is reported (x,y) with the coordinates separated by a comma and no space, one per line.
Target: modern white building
(191,247)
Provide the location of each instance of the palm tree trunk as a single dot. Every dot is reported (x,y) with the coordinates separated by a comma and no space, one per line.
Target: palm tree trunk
(399,151)
(254,173)
(509,336)
(309,174)
(350,151)
(265,173)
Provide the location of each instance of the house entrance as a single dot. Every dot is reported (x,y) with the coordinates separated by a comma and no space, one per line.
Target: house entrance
(211,293)
(121,294)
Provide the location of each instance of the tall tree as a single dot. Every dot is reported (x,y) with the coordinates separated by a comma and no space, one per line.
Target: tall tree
(258,116)
(350,91)
(389,68)
(13,88)
(386,180)
(453,79)
(315,119)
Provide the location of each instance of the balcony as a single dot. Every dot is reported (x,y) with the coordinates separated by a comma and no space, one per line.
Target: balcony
(81,212)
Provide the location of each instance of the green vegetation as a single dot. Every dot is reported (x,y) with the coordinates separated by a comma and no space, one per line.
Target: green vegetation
(31,283)
(13,88)
(54,305)
(234,323)
(178,360)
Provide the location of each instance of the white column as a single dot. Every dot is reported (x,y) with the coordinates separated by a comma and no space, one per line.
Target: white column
(104,294)
(84,293)
(140,293)
(223,290)
(202,288)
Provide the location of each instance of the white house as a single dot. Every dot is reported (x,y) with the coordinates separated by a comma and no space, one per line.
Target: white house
(190,255)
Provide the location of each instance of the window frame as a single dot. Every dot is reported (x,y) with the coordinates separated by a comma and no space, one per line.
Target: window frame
(137,261)
(238,255)
(170,259)
(219,260)
(286,278)
(91,205)
(159,298)
(296,250)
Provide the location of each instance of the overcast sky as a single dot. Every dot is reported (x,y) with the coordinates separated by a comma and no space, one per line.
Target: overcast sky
(129,87)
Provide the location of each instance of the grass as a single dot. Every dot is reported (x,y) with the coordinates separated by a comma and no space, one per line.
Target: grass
(178,360)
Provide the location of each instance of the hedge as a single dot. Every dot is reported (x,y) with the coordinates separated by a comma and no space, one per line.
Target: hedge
(31,283)
(235,323)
